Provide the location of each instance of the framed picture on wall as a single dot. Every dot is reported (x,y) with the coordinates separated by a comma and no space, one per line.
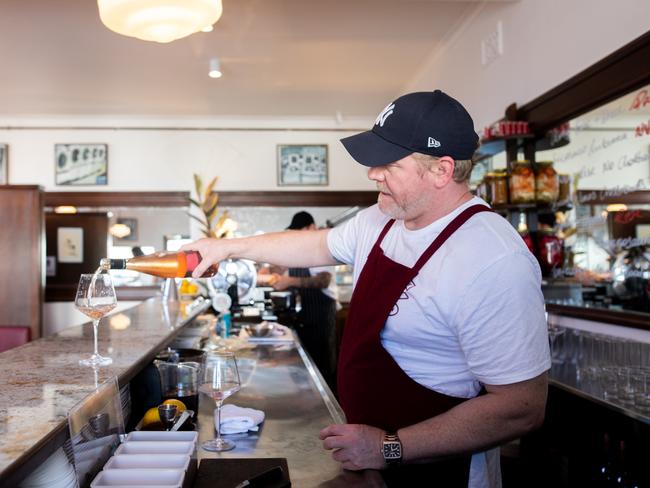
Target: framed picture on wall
(302,165)
(70,244)
(4,164)
(80,164)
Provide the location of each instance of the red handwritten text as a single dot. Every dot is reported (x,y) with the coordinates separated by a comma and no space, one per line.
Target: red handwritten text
(643,129)
(626,217)
(640,100)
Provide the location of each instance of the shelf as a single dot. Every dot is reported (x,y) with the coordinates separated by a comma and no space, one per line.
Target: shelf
(492,147)
(538,207)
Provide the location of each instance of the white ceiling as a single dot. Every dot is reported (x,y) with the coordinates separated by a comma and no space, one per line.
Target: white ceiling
(279,58)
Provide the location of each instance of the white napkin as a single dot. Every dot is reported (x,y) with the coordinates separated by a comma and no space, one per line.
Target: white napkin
(236,419)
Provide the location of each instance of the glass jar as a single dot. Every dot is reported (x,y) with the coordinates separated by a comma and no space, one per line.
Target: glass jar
(499,189)
(522,183)
(487,188)
(546,183)
(564,185)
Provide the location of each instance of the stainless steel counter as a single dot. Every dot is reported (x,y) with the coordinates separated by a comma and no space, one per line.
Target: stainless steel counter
(42,380)
(281,381)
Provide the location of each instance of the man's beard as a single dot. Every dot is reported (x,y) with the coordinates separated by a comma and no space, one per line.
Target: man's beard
(390,207)
(404,209)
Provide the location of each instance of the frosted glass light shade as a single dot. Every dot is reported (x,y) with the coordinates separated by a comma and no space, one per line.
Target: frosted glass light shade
(158,20)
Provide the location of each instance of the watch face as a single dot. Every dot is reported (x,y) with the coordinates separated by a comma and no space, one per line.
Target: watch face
(392,450)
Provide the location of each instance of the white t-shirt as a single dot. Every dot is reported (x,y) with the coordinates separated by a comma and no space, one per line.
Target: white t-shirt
(474,314)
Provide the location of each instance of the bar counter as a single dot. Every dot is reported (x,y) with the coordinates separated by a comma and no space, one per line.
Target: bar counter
(280,380)
(42,380)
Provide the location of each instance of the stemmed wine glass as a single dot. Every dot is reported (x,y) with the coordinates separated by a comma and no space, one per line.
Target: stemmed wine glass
(220,379)
(95,298)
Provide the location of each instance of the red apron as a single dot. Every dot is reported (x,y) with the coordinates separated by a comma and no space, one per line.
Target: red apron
(372,388)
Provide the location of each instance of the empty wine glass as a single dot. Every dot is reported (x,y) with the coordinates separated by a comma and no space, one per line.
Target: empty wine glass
(220,379)
(95,298)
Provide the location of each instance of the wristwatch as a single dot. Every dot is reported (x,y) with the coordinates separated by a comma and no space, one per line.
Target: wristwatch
(391,448)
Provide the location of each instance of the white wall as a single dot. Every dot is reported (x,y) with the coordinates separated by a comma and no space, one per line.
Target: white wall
(61,315)
(164,159)
(545,43)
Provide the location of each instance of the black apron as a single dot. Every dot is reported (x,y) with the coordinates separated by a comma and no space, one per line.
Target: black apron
(317,327)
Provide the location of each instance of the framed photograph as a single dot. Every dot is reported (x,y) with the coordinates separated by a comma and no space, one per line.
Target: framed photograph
(80,164)
(70,244)
(132,224)
(4,164)
(302,165)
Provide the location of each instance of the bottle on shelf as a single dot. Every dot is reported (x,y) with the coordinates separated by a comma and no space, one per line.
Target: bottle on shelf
(162,264)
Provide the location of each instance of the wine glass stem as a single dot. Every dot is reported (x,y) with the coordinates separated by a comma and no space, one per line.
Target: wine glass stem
(95,327)
(219,403)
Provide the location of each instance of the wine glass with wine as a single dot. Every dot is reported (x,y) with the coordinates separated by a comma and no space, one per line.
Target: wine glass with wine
(95,298)
(220,379)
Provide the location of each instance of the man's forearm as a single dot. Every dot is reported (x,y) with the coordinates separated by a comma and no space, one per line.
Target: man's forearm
(475,425)
(295,249)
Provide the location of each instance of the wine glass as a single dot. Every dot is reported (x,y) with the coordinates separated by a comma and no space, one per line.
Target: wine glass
(95,298)
(220,379)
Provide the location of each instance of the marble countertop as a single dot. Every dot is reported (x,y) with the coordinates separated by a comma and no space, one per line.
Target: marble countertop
(42,380)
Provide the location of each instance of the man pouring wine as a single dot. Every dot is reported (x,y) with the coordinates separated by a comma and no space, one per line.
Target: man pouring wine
(444,353)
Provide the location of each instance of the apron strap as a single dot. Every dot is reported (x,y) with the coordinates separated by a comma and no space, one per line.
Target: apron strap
(452,227)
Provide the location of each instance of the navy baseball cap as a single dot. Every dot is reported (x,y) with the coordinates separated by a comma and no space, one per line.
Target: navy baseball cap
(425,122)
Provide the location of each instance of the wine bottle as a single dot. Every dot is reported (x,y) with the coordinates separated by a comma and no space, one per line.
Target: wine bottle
(162,264)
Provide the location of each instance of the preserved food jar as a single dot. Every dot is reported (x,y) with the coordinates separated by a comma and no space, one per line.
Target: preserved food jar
(522,183)
(546,183)
(564,185)
(499,188)
(487,187)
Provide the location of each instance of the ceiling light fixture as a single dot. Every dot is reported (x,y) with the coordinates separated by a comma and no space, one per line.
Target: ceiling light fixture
(158,20)
(215,68)
(208,28)
(65,209)
(120,230)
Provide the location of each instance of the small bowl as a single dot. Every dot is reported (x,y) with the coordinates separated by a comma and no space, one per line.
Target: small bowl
(263,329)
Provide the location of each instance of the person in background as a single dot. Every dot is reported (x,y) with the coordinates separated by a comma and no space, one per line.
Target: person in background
(317,316)
(137,251)
(445,351)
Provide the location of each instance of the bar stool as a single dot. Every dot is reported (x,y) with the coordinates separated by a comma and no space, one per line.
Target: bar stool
(13,336)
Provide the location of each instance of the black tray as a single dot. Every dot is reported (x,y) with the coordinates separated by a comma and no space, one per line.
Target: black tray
(228,473)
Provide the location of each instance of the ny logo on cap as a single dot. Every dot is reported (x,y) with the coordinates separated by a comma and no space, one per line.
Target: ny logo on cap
(381,118)
(433,142)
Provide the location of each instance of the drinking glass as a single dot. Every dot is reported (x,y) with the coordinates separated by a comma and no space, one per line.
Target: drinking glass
(167,414)
(220,379)
(95,298)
